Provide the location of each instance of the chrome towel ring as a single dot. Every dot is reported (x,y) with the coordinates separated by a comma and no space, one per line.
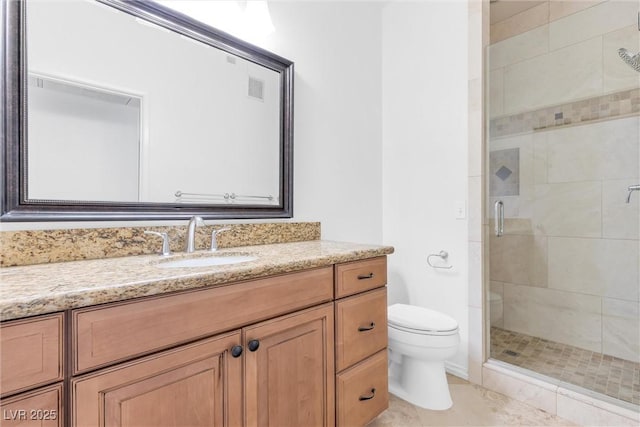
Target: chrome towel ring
(442,255)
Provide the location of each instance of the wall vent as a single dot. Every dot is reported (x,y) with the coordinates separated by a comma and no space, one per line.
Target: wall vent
(256,88)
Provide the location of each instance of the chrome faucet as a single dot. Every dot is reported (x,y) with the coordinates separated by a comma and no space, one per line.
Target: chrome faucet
(214,238)
(190,245)
(631,189)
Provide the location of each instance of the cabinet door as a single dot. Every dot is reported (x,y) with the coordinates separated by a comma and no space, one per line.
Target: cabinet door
(39,408)
(194,385)
(289,377)
(30,353)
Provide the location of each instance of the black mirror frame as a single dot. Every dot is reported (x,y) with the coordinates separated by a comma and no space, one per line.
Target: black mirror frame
(13,127)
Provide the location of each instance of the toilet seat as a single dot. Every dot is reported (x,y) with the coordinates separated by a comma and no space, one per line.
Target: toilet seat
(420,320)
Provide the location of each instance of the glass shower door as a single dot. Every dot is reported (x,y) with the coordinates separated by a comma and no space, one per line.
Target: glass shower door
(563,163)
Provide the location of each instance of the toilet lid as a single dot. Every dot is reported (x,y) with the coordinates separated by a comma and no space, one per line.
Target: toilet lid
(420,318)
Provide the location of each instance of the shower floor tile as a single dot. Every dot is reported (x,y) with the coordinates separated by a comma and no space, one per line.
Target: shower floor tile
(599,372)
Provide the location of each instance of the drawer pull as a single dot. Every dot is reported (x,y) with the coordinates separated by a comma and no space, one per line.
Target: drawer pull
(365,276)
(253,345)
(367,328)
(373,394)
(236,350)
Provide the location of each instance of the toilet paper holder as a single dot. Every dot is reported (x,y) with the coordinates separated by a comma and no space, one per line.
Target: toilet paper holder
(442,255)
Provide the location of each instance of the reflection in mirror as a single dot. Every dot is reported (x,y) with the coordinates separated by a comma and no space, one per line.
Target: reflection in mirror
(206,122)
(84,143)
(135,112)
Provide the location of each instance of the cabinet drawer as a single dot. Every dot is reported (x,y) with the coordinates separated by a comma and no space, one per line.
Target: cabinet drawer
(362,391)
(31,353)
(361,327)
(41,408)
(360,276)
(116,332)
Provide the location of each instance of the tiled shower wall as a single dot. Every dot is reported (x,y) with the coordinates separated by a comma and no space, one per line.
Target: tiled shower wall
(564,140)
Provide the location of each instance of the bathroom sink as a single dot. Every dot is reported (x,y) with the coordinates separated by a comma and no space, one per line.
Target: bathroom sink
(208,261)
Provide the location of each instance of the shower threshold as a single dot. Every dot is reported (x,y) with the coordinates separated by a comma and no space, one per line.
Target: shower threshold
(601,373)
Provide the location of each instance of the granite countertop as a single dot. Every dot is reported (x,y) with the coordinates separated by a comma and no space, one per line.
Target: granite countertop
(47,288)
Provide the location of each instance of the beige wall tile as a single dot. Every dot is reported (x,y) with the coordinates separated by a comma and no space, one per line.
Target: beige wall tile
(602,267)
(475,50)
(564,75)
(618,75)
(475,208)
(518,48)
(568,209)
(475,146)
(475,274)
(591,22)
(496,93)
(561,8)
(540,312)
(520,226)
(519,259)
(540,158)
(476,345)
(621,329)
(520,23)
(495,305)
(620,220)
(604,150)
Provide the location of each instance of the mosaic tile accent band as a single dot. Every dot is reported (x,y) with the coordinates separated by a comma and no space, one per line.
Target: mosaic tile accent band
(599,372)
(46,246)
(619,104)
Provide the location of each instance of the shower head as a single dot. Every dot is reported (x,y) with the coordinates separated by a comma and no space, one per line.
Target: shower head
(632,60)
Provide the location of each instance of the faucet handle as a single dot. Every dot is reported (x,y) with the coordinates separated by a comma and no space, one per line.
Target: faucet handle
(214,237)
(165,241)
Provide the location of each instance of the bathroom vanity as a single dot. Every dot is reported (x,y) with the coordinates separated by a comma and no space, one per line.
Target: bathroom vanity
(297,337)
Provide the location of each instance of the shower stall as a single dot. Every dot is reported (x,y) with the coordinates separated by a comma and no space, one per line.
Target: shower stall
(562,174)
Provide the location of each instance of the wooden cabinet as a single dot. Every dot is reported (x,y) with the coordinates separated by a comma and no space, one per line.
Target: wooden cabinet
(38,408)
(257,353)
(197,385)
(362,392)
(288,380)
(117,332)
(361,327)
(359,276)
(289,370)
(31,353)
(31,372)
(361,342)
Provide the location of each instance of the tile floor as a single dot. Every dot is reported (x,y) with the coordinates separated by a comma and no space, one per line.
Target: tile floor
(605,374)
(472,406)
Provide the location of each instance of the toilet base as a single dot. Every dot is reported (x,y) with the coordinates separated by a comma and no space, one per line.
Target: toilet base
(426,387)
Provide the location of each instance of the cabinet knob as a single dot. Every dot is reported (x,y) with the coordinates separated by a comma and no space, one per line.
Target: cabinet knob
(371,396)
(253,345)
(236,350)
(367,328)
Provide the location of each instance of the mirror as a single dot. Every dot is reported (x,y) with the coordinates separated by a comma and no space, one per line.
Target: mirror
(127,110)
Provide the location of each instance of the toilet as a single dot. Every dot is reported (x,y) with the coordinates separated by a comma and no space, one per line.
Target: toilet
(420,340)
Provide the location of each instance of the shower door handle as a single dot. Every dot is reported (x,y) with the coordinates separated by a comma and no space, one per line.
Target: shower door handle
(499,217)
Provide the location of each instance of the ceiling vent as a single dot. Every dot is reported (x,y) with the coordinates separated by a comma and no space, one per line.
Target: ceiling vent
(256,88)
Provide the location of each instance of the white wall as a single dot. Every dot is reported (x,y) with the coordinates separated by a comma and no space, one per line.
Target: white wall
(424,134)
(337,171)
